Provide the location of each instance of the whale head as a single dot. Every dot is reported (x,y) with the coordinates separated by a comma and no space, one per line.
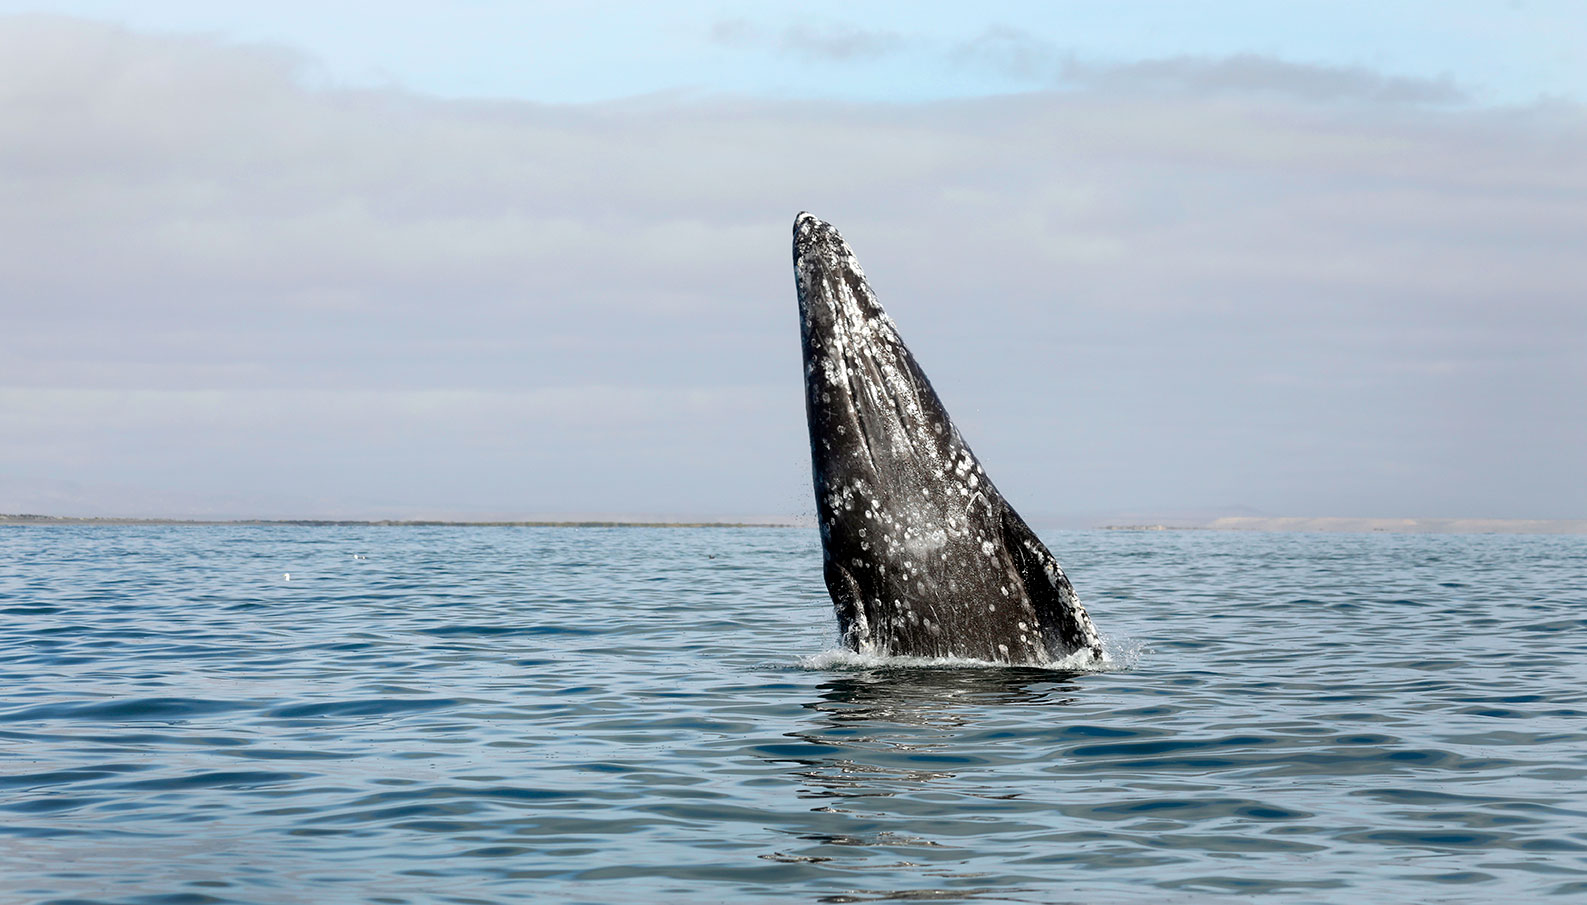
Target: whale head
(922,555)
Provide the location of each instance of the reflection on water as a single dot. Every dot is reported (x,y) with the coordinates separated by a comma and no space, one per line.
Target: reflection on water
(930,895)
(892,730)
(945,698)
(883,749)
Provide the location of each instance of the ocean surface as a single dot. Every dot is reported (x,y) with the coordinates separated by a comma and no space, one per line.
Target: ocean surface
(603,715)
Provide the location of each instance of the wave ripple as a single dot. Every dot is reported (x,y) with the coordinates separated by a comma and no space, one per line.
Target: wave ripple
(609,715)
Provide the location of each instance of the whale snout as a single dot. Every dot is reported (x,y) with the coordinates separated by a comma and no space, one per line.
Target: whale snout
(815,241)
(831,285)
(808,232)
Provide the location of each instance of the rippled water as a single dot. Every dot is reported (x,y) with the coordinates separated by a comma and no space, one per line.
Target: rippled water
(646,715)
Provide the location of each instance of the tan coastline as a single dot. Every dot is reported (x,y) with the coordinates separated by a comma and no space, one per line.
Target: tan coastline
(1298,524)
(1344,524)
(27,519)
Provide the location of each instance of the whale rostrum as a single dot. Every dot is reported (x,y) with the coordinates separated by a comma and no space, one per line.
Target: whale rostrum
(921,554)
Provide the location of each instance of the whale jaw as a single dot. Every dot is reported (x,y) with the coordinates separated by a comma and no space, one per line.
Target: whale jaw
(921,554)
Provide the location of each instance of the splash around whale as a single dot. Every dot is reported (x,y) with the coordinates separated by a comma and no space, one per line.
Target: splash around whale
(921,554)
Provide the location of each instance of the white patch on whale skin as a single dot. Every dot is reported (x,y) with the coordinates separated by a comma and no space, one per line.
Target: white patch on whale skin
(860,631)
(924,543)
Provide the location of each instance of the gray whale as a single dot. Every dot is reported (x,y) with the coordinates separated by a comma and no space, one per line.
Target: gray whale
(921,554)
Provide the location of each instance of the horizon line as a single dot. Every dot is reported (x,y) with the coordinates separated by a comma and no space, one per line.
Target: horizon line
(1285,524)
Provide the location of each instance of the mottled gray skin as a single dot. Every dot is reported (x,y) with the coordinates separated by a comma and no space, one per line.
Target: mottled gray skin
(923,557)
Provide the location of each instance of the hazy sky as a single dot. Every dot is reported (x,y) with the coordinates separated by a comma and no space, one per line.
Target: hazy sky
(490,259)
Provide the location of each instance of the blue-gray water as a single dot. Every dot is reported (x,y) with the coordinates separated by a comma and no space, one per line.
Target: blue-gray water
(643,715)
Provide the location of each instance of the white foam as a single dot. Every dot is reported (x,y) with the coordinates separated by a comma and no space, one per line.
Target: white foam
(1118,655)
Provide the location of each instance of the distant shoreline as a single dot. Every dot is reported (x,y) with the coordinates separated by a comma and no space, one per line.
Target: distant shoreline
(1338,524)
(28,520)
(1238,523)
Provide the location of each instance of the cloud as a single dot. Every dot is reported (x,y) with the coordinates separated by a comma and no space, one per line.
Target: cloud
(273,451)
(1031,59)
(1257,74)
(818,42)
(367,300)
(1015,52)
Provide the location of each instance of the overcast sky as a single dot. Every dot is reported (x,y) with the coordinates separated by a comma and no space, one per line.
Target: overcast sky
(519,260)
